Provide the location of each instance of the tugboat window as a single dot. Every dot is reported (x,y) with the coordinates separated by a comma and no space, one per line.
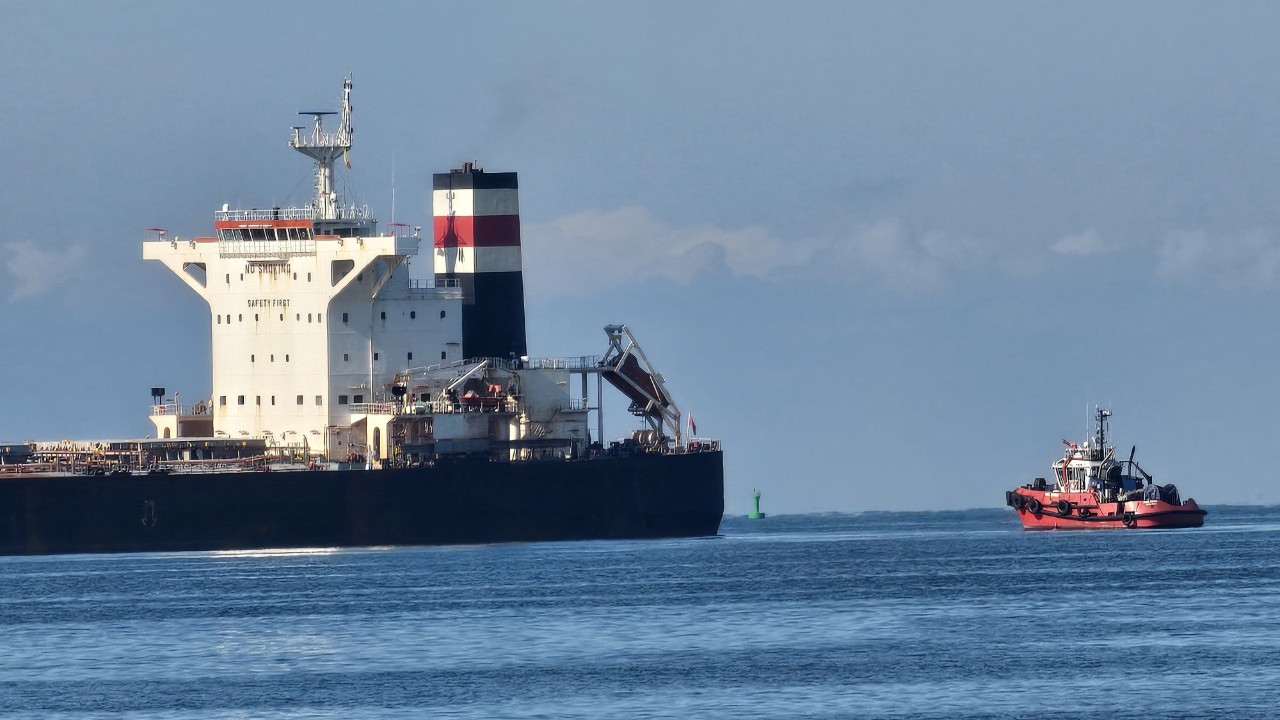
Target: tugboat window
(375,356)
(344,318)
(413,314)
(384,314)
(357,399)
(299,399)
(319,400)
(222,400)
(239,399)
(346,357)
(342,399)
(441,314)
(410,356)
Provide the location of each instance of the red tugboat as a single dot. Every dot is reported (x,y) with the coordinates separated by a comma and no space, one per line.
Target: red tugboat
(1092,489)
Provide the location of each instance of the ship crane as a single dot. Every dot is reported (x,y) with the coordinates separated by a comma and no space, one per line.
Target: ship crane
(628,369)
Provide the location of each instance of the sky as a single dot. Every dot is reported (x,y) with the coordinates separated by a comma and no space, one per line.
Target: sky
(890,253)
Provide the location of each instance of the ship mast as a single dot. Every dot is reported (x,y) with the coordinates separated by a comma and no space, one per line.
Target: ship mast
(325,148)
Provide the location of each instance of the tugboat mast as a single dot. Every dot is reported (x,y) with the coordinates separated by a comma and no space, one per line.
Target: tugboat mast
(325,148)
(1101,450)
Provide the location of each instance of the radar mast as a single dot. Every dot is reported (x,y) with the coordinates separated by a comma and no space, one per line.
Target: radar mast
(325,148)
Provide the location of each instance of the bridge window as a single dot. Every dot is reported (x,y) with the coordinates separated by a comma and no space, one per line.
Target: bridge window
(319,400)
(342,399)
(222,400)
(239,399)
(299,399)
(441,314)
(384,314)
(413,314)
(410,356)
(357,399)
(375,356)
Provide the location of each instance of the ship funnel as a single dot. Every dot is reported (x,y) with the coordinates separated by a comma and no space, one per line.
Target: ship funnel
(477,247)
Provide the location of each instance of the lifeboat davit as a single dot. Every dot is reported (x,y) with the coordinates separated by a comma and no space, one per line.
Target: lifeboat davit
(1092,489)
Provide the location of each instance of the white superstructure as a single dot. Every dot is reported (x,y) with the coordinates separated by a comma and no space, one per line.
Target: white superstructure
(326,350)
(312,310)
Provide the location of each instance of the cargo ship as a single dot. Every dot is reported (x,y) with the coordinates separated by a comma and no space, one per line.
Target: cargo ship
(1093,489)
(354,403)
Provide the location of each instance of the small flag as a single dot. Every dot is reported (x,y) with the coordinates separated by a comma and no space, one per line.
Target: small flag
(693,427)
(346,159)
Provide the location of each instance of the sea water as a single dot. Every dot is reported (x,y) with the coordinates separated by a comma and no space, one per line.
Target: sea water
(876,615)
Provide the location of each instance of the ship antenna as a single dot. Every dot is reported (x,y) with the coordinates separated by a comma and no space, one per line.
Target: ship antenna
(325,148)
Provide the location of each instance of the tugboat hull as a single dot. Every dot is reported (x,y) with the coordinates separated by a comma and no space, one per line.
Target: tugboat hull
(1048,510)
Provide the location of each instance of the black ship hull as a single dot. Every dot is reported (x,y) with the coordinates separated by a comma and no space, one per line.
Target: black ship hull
(453,502)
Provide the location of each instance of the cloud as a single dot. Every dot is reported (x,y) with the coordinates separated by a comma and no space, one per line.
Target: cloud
(36,270)
(1251,259)
(595,250)
(1082,244)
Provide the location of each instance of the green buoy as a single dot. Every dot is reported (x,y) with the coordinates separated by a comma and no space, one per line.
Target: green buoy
(756,514)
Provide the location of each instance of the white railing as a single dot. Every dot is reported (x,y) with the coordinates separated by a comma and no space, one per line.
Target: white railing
(308,212)
(173,408)
(432,283)
(265,248)
(372,408)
